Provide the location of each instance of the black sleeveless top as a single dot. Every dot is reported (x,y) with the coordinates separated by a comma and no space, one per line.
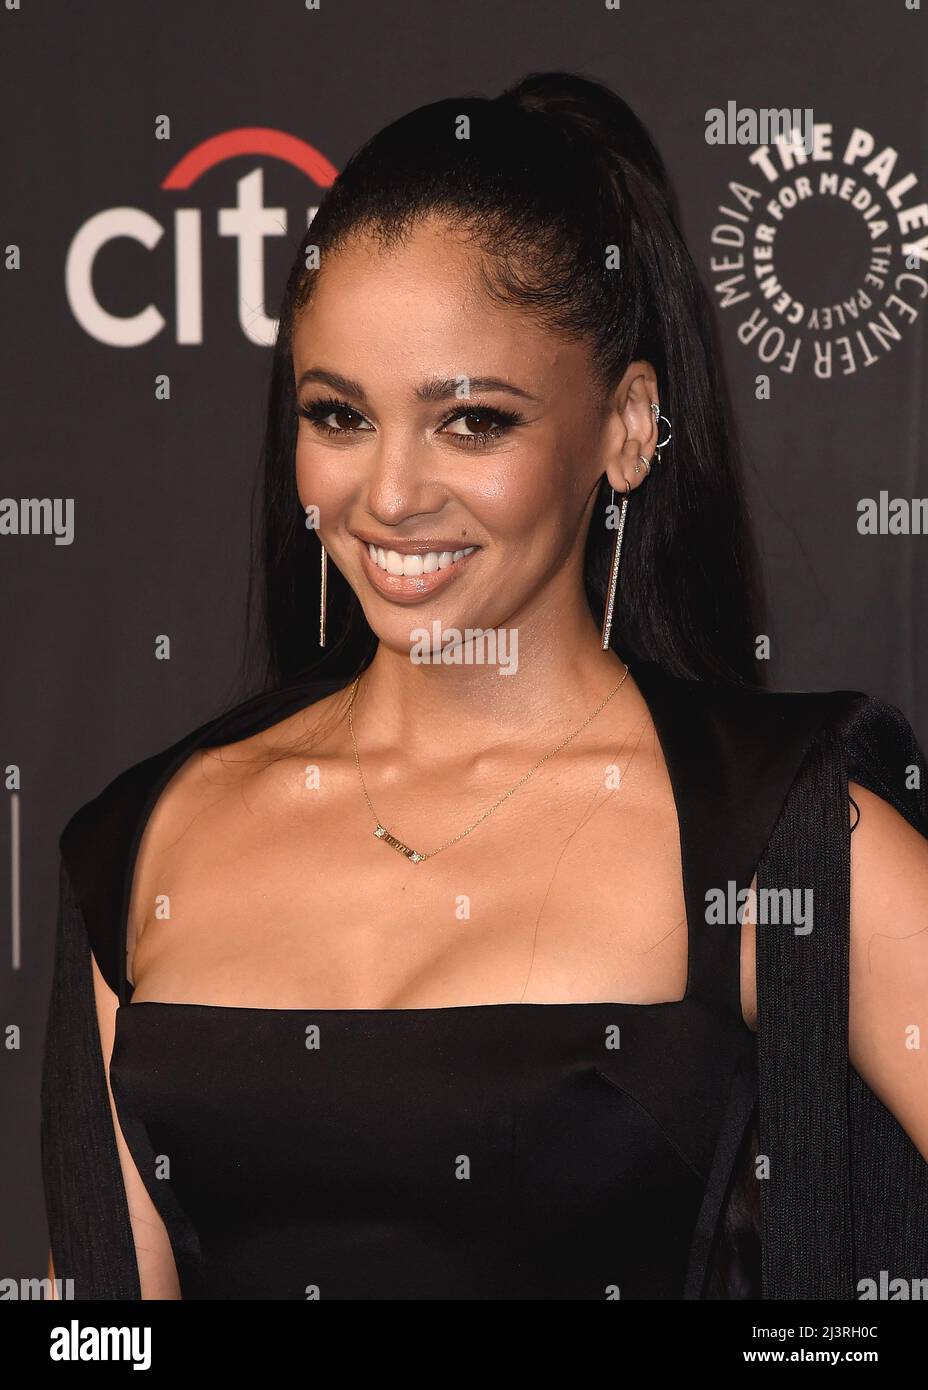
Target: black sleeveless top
(500,1151)
(503,1151)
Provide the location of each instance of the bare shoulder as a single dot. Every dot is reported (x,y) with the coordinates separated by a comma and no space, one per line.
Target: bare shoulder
(889,959)
(889,909)
(889,864)
(213,774)
(888,925)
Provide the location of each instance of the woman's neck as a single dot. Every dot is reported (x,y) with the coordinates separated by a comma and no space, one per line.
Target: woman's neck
(484,691)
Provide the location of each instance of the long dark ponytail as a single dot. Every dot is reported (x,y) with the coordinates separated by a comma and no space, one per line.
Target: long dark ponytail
(548,176)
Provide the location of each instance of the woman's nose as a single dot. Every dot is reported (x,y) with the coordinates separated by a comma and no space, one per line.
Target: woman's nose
(402,477)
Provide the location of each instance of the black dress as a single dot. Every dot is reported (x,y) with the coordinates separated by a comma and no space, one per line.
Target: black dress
(504,1151)
(493,1151)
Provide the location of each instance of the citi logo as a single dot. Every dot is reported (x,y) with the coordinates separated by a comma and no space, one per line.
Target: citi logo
(247,223)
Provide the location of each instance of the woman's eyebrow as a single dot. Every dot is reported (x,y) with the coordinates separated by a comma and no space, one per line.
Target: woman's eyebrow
(435,389)
(440,389)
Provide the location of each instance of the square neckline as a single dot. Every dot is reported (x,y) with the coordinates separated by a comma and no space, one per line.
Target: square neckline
(656,712)
(413,1009)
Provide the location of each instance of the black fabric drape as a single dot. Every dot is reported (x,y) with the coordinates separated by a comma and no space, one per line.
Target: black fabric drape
(88,1216)
(847,1194)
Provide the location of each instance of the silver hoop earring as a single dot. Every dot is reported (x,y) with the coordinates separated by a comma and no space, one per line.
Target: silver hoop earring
(614,568)
(661,443)
(323,585)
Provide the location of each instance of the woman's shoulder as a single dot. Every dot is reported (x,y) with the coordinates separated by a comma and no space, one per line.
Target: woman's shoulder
(728,736)
(100,841)
(757,712)
(739,752)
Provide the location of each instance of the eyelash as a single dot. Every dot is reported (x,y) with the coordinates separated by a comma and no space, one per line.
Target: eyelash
(502,420)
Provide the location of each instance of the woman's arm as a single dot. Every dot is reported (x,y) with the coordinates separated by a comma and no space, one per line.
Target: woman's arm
(888,1023)
(888,1007)
(154,1256)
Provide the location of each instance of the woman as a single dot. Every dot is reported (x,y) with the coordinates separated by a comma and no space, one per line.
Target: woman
(440,952)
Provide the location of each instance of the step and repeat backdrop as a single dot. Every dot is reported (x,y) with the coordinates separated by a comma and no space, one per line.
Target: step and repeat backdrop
(159,165)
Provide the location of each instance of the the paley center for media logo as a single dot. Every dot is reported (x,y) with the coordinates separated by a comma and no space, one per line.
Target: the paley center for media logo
(818,252)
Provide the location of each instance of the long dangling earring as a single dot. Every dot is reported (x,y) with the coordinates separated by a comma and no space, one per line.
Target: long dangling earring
(614,571)
(322,594)
(617,543)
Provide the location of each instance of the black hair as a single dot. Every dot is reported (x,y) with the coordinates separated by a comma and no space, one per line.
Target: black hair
(552,178)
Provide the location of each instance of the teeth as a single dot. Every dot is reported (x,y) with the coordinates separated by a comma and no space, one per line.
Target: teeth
(394,563)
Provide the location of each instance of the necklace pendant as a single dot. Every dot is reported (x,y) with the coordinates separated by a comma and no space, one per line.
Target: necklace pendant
(414,857)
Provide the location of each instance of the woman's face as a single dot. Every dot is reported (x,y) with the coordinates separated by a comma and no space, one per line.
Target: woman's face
(434,422)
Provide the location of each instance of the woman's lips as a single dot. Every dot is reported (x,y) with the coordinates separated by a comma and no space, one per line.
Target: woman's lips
(410,588)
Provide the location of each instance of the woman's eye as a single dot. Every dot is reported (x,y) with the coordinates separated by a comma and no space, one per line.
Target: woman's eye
(476,421)
(333,417)
(480,426)
(342,420)
(473,426)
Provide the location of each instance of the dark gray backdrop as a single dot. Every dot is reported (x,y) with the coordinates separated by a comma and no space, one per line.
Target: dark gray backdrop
(162,489)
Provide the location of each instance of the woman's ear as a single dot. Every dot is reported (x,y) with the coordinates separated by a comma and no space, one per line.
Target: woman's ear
(638,392)
(633,399)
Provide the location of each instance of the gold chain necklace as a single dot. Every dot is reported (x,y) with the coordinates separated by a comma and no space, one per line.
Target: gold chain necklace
(415,856)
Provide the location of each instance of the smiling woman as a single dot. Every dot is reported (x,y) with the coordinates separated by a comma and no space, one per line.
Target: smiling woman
(494,1039)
